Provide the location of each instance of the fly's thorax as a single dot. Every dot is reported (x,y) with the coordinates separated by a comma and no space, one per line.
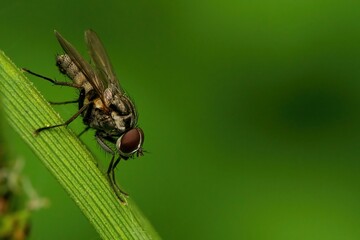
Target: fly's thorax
(118,101)
(68,67)
(113,113)
(123,110)
(102,121)
(104,118)
(122,123)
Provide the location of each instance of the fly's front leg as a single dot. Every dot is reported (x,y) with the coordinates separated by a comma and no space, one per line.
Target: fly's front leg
(113,175)
(37,131)
(110,172)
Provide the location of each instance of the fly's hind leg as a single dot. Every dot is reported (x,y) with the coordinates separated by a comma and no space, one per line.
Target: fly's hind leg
(56,83)
(110,172)
(68,84)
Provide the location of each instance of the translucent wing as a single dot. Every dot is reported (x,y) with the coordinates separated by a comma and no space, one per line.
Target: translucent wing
(101,60)
(84,66)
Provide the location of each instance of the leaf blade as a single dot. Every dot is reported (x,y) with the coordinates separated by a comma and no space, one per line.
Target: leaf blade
(68,159)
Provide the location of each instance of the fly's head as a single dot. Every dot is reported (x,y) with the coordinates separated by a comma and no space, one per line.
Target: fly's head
(130,143)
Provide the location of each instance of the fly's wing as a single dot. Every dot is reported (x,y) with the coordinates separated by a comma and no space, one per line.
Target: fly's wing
(84,66)
(101,60)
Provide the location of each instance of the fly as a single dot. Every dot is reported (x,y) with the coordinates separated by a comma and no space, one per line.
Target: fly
(102,103)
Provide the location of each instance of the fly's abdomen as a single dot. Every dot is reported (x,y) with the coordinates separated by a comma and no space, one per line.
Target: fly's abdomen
(68,67)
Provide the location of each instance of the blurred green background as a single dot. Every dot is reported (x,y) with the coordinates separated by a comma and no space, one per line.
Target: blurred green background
(250,111)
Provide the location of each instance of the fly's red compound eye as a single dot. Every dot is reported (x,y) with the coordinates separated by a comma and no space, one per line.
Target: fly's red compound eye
(130,142)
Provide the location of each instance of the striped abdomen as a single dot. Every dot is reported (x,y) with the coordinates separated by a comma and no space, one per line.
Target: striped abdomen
(68,67)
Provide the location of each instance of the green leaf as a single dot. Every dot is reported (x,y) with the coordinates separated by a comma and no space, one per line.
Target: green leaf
(68,159)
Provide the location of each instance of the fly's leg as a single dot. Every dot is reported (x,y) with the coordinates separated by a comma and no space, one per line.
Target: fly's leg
(112,165)
(79,101)
(66,102)
(83,131)
(68,84)
(113,175)
(56,83)
(65,123)
(110,172)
